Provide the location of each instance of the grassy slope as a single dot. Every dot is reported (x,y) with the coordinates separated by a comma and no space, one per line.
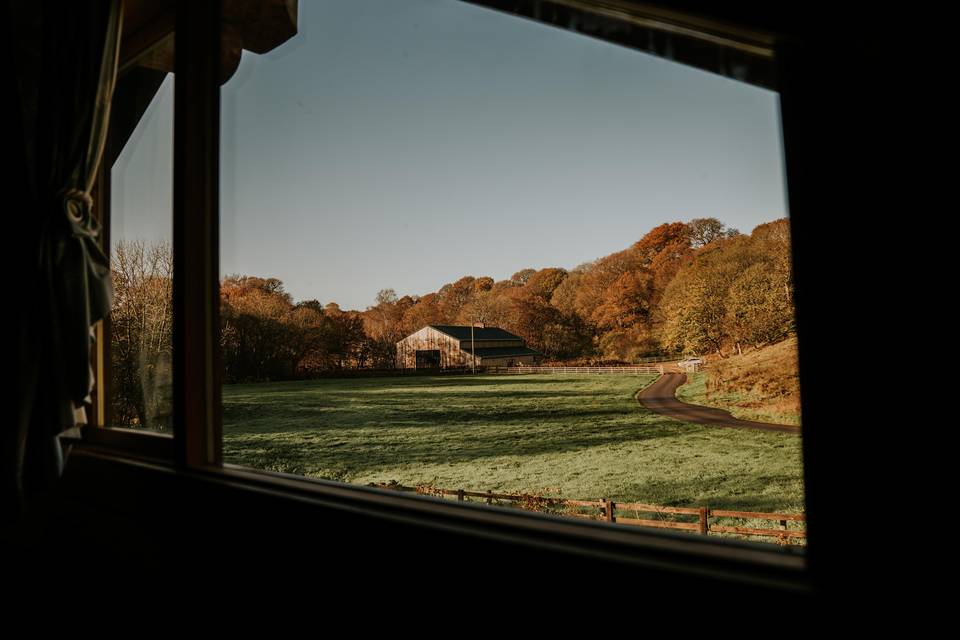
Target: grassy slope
(759,385)
(579,437)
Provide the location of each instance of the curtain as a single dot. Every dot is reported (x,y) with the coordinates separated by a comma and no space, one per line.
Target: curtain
(64,56)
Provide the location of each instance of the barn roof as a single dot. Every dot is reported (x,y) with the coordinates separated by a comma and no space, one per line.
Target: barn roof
(485,333)
(504,352)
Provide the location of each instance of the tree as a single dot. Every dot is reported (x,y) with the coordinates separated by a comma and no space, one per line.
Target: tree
(520,277)
(453,297)
(544,282)
(344,339)
(424,312)
(258,340)
(306,323)
(733,290)
(626,302)
(529,316)
(760,310)
(386,296)
(383,326)
(141,324)
(703,231)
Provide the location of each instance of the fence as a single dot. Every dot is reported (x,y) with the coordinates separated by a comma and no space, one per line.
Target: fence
(655,359)
(701,520)
(578,370)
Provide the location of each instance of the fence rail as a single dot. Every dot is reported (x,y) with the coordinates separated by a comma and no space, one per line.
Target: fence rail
(578,370)
(702,520)
(655,359)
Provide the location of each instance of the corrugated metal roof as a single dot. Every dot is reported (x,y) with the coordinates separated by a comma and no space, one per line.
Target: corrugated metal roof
(486,333)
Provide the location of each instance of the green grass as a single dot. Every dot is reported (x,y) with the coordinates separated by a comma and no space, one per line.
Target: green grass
(576,437)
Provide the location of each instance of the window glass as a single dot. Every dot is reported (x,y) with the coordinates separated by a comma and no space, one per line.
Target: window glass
(140,161)
(482,258)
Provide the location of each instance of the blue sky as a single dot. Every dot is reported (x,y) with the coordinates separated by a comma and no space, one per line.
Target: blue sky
(404,144)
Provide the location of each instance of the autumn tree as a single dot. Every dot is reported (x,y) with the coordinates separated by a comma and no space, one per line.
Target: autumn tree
(662,251)
(306,326)
(692,286)
(759,307)
(733,290)
(520,277)
(530,316)
(425,311)
(703,231)
(256,335)
(626,301)
(761,299)
(451,298)
(544,282)
(141,324)
(383,325)
(344,339)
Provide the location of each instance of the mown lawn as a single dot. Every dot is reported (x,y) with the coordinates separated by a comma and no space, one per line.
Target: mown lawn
(576,437)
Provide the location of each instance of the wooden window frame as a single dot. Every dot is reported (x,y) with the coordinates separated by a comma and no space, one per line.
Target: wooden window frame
(139,443)
(195,448)
(195,368)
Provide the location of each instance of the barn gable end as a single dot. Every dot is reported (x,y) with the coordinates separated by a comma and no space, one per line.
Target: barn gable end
(451,347)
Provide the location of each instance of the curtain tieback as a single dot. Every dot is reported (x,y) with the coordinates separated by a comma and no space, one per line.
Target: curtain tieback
(77,207)
(77,204)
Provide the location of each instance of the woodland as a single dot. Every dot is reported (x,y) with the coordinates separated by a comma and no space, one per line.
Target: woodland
(694,287)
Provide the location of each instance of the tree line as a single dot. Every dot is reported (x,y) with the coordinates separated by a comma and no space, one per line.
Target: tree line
(691,287)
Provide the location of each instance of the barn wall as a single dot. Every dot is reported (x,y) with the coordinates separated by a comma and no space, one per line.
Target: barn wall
(428,339)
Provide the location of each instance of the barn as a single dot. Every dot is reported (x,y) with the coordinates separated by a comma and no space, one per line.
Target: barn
(454,347)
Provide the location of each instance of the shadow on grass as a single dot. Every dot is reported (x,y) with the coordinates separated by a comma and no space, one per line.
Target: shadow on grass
(385,384)
(736,492)
(381,448)
(347,418)
(341,429)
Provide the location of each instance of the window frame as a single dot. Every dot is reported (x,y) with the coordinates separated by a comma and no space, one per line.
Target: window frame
(140,443)
(195,447)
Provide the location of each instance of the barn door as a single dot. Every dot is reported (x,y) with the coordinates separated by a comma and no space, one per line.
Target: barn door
(428,358)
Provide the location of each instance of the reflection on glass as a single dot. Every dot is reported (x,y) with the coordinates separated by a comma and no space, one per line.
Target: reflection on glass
(141,182)
(421,199)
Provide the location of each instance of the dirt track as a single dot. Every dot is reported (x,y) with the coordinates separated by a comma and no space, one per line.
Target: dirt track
(661,398)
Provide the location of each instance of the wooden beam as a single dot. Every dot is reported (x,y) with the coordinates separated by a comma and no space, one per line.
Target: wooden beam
(196,240)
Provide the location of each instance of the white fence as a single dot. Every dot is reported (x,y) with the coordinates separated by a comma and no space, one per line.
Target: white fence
(581,370)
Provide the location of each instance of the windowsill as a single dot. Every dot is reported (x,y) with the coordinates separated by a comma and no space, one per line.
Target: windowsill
(138,443)
(748,563)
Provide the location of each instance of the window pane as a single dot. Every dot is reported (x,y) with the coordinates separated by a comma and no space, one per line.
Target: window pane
(422,200)
(141,228)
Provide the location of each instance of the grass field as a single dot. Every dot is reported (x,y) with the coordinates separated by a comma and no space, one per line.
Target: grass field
(576,437)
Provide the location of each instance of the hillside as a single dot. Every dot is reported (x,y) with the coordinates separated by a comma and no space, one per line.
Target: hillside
(761,384)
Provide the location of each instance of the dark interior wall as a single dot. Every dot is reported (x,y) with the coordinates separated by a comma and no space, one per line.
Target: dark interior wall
(834,92)
(144,521)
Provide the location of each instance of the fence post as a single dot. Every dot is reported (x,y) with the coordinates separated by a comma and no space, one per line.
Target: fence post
(608,507)
(489,499)
(704,514)
(460,495)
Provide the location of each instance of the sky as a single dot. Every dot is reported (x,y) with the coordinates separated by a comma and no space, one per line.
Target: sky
(404,144)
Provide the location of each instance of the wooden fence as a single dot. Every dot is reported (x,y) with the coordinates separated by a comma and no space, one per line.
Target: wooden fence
(656,359)
(702,520)
(579,370)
